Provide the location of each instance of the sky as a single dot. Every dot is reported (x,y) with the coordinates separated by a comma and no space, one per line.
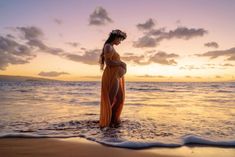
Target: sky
(170,40)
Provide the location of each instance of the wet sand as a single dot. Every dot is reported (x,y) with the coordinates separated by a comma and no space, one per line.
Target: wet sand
(79,147)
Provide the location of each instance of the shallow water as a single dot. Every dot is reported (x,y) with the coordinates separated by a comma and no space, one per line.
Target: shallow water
(155,114)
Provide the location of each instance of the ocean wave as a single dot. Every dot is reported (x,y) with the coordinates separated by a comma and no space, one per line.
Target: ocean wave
(118,142)
(130,134)
(224,91)
(71,109)
(145,89)
(154,89)
(185,140)
(215,85)
(24,90)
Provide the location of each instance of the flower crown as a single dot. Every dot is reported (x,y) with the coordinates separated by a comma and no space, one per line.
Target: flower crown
(119,32)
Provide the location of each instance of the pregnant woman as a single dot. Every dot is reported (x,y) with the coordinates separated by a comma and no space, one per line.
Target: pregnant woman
(112,83)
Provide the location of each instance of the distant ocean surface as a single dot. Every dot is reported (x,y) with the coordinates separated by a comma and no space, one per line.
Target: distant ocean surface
(154,114)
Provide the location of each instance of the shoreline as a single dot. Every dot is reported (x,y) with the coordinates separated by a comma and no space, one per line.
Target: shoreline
(77,146)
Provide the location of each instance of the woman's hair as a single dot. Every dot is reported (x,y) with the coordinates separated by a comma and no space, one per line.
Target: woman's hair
(112,36)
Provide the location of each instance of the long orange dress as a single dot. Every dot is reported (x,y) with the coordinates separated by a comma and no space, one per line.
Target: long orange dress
(111,114)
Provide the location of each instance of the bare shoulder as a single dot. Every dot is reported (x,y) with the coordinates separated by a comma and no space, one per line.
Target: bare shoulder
(108,48)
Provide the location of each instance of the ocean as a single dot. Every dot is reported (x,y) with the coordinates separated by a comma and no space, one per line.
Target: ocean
(168,114)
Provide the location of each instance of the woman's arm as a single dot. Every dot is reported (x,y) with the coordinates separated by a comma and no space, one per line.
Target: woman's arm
(113,63)
(108,49)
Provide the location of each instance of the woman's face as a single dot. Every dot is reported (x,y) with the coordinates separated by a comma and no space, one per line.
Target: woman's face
(117,41)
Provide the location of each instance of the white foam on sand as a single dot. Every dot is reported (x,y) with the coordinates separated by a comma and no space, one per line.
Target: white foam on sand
(123,143)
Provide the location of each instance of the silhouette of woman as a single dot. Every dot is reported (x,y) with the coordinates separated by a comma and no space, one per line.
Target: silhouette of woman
(112,83)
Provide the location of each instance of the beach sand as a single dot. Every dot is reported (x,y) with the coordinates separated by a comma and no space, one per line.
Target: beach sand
(79,147)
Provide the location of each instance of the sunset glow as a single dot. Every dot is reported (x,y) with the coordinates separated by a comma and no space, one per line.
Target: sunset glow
(166,40)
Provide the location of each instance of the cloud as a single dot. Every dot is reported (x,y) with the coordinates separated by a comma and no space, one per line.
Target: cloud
(145,41)
(178,22)
(163,58)
(91,77)
(232,58)
(52,73)
(10,36)
(30,33)
(184,33)
(135,59)
(15,52)
(191,67)
(207,66)
(149,51)
(128,53)
(44,48)
(160,57)
(156,32)
(227,65)
(153,76)
(73,44)
(90,57)
(99,17)
(188,76)
(217,76)
(12,52)
(33,35)
(229,53)
(58,21)
(149,24)
(153,37)
(212,44)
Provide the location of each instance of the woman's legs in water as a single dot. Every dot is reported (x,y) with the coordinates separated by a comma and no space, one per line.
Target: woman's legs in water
(116,109)
(114,91)
(113,97)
